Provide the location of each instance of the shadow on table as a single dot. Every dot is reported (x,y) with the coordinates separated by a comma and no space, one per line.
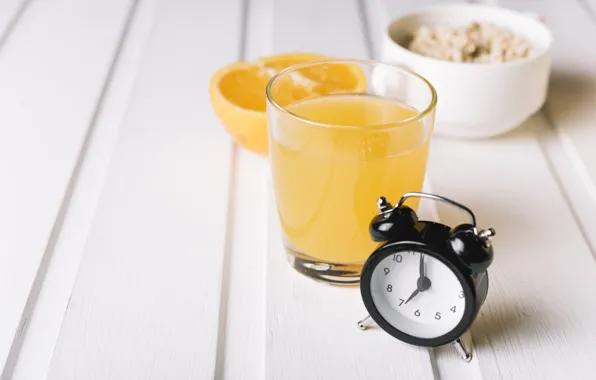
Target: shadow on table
(570,99)
(497,328)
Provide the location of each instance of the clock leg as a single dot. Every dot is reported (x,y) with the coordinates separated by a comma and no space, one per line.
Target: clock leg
(464,352)
(365,322)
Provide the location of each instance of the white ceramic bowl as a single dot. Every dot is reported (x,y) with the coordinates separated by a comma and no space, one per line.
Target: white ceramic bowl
(475,99)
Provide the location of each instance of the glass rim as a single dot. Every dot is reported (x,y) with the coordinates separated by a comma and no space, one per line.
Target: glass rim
(419,115)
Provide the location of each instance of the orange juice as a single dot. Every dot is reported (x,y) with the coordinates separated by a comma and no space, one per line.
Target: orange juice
(328,177)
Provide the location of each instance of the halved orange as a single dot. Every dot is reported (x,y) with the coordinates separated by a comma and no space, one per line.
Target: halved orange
(238,96)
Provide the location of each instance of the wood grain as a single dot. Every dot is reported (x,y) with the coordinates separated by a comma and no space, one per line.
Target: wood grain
(146,301)
(53,66)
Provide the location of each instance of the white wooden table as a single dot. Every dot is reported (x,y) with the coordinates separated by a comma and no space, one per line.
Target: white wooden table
(137,242)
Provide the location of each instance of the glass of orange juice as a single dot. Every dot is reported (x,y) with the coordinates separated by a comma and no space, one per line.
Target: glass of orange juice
(342,133)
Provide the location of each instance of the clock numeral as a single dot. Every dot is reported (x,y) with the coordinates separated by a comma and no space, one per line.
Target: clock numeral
(397,258)
(389,288)
(461,294)
(386,270)
(417,313)
(437,316)
(401,301)
(453,309)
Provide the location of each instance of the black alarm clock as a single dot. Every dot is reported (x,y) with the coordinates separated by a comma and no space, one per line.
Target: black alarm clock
(426,282)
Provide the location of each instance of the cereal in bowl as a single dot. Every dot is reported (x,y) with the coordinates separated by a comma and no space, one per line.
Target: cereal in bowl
(478,42)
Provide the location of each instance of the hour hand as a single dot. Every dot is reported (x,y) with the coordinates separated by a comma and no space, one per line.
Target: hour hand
(413,295)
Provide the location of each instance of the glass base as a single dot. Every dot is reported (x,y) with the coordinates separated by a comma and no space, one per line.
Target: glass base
(330,273)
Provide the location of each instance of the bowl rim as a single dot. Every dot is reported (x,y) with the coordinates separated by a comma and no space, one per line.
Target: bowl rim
(433,8)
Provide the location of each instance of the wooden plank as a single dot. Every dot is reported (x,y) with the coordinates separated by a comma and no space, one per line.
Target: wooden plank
(497,354)
(494,343)
(242,322)
(534,323)
(311,331)
(46,320)
(243,328)
(312,334)
(52,69)
(308,27)
(447,363)
(572,96)
(554,331)
(145,304)
(445,360)
(576,184)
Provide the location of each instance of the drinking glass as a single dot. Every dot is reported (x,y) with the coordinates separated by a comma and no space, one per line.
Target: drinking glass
(334,152)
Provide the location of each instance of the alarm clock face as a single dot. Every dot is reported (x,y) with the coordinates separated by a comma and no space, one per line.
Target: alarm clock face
(419,297)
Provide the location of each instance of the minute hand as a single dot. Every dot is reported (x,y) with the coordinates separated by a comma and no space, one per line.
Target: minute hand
(420,283)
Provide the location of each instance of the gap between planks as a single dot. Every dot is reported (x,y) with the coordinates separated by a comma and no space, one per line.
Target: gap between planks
(229,234)
(228,247)
(47,180)
(445,361)
(552,152)
(562,133)
(311,332)
(149,282)
(16,9)
(242,310)
(44,324)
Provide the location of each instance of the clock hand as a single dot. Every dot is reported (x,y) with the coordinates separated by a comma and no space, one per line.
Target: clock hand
(420,282)
(413,295)
(423,283)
